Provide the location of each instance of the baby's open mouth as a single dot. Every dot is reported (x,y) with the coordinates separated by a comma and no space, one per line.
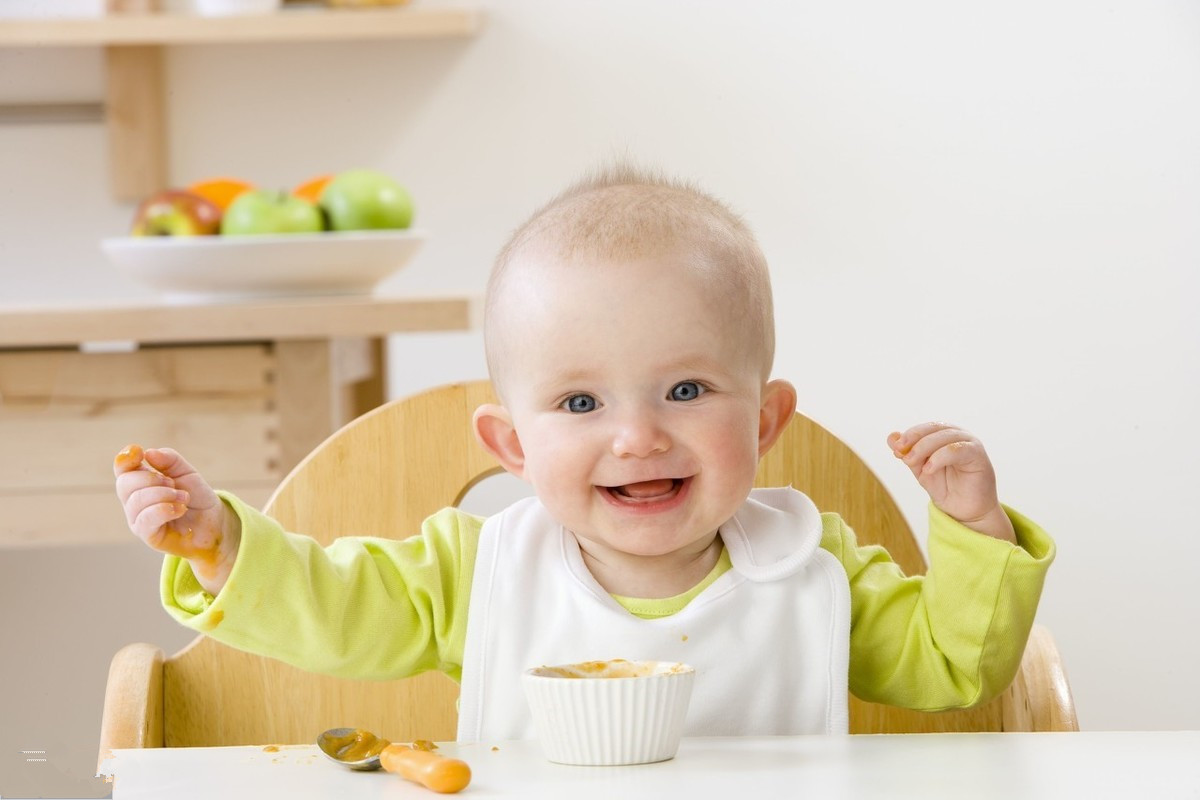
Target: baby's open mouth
(646,491)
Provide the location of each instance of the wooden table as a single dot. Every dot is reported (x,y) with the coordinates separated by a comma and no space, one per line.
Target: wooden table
(1093,765)
(244,389)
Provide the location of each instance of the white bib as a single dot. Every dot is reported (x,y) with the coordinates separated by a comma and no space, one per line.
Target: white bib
(769,639)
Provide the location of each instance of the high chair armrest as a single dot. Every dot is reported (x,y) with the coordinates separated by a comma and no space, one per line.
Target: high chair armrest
(1055,709)
(133,700)
(1047,692)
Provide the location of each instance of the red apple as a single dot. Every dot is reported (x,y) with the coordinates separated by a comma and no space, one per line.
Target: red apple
(176,212)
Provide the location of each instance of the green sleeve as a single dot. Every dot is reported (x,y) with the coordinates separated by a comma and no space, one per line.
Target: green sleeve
(360,608)
(954,637)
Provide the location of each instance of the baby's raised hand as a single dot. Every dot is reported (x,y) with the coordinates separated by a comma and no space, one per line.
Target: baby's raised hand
(952,466)
(171,508)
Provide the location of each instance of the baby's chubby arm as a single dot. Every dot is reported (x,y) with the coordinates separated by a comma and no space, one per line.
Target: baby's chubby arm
(952,466)
(171,508)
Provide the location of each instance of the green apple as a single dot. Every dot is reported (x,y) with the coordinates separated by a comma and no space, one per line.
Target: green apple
(259,211)
(176,212)
(363,199)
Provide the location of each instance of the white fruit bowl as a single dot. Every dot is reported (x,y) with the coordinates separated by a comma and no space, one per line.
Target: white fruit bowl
(228,8)
(607,713)
(202,268)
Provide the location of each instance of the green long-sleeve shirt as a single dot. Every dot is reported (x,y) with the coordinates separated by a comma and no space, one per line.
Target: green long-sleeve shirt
(384,608)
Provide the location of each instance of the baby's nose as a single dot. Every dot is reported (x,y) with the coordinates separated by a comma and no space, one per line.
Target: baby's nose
(640,436)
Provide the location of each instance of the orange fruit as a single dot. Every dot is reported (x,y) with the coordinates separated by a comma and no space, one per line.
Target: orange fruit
(310,190)
(221,191)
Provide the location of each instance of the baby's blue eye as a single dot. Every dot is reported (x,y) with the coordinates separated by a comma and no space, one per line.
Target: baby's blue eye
(580,403)
(687,390)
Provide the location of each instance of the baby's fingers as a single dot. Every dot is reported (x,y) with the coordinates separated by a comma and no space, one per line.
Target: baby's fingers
(964,455)
(930,443)
(169,463)
(127,483)
(918,443)
(150,497)
(903,443)
(148,520)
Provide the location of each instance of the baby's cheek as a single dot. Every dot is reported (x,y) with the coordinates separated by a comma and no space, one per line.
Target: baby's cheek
(556,473)
(736,440)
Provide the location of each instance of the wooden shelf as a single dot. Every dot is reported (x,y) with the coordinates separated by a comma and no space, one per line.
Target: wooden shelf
(85,325)
(291,25)
(134,106)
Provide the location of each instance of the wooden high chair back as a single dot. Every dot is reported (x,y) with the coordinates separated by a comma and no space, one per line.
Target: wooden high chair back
(381,475)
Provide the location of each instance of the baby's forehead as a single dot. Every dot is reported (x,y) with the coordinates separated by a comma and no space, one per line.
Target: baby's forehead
(562,257)
(634,221)
(555,266)
(546,290)
(554,313)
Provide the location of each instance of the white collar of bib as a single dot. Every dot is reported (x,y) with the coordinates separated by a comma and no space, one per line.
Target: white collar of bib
(773,534)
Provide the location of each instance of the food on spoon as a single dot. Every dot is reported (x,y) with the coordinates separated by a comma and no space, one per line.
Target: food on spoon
(357,745)
(441,774)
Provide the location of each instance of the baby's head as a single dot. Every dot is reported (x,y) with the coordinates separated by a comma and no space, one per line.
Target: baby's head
(630,336)
(625,217)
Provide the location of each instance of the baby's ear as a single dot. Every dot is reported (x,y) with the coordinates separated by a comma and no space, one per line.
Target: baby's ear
(776,411)
(494,430)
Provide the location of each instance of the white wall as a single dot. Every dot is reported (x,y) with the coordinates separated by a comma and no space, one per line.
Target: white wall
(988,213)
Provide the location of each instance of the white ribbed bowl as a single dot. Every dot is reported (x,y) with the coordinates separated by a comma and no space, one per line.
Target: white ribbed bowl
(605,713)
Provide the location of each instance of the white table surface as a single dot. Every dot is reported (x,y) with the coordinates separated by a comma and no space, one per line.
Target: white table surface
(1155,764)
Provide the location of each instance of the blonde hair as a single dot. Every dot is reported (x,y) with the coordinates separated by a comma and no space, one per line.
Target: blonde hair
(623,212)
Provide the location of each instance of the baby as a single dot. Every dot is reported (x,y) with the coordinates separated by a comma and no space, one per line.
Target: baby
(630,338)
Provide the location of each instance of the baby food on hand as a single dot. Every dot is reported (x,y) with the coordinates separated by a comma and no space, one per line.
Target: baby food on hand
(205,555)
(129,458)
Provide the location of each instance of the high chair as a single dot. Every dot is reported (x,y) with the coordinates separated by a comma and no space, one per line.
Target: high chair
(381,475)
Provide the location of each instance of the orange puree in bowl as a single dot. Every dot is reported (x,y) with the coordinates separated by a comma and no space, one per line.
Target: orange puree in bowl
(615,668)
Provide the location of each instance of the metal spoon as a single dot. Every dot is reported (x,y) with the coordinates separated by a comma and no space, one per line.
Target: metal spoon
(337,743)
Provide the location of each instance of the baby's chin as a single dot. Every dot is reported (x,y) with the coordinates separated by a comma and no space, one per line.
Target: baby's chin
(612,546)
